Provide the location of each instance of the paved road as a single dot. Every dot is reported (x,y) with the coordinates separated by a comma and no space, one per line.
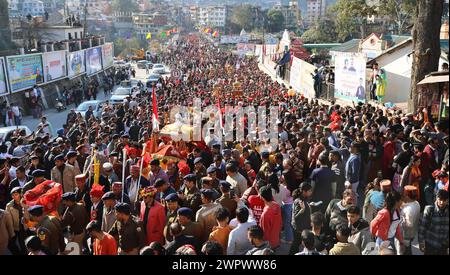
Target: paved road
(57,119)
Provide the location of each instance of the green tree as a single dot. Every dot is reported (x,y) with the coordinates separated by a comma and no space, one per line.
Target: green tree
(275,21)
(351,14)
(125,5)
(323,31)
(123,46)
(244,16)
(399,12)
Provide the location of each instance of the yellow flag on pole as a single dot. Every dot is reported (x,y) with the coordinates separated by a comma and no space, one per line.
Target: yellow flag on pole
(149,36)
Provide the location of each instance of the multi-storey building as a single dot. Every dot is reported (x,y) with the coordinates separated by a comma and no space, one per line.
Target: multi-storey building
(213,16)
(291,14)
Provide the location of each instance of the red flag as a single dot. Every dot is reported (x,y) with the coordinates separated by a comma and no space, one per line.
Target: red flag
(155,111)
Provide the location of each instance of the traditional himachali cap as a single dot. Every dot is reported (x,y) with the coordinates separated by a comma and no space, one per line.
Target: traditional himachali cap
(135,168)
(410,188)
(81,178)
(149,191)
(385,183)
(107,166)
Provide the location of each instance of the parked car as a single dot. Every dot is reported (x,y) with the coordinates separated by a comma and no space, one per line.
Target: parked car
(159,69)
(97,105)
(7,132)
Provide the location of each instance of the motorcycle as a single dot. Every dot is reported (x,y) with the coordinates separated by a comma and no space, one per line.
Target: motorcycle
(60,105)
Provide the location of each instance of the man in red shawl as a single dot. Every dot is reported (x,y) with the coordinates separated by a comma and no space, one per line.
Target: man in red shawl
(153,216)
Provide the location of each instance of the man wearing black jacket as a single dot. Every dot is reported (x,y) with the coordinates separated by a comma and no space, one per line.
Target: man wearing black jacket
(301,214)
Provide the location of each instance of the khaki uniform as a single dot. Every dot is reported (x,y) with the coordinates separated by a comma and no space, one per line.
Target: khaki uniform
(229,204)
(50,235)
(76,217)
(193,229)
(206,217)
(193,198)
(130,236)
(108,218)
(170,218)
(6,230)
(67,178)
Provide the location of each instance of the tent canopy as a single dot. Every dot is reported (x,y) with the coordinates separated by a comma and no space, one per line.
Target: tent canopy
(434,79)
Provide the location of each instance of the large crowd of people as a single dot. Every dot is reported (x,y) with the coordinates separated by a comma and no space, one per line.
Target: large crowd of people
(342,180)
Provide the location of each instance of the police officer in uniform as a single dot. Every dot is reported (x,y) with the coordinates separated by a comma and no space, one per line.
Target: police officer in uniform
(190,228)
(226,200)
(38,177)
(75,216)
(206,215)
(190,195)
(109,211)
(128,231)
(47,230)
(172,207)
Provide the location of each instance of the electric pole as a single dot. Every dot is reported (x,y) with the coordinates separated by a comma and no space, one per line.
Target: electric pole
(85,19)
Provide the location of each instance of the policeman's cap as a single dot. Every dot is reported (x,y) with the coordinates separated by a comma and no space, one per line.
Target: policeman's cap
(36,210)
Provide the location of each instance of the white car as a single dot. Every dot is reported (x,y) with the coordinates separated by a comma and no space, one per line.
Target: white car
(97,106)
(153,79)
(7,132)
(159,69)
(121,64)
(121,93)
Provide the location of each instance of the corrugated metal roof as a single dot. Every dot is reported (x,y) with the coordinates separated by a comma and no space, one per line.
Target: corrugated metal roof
(349,45)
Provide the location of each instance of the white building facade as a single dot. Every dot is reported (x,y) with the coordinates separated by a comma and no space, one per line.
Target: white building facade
(213,16)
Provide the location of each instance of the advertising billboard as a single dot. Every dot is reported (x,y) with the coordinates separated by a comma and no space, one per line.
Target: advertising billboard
(350,76)
(301,78)
(76,64)
(108,55)
(54,65)
(3,83)
(93,60)
(24,71)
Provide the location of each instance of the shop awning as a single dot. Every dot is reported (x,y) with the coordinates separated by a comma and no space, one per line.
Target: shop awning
(434,79)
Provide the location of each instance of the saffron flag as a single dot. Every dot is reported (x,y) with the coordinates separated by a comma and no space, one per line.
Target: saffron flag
(215,34)
(149,36)
(155,111)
